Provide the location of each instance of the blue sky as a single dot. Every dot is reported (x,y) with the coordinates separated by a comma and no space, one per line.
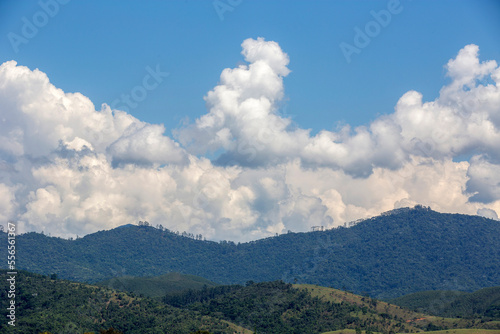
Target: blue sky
(245,118)
(101,49)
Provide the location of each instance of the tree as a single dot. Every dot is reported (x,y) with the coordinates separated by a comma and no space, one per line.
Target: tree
(143,223)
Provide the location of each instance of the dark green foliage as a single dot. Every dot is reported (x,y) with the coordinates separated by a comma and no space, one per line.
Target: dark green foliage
(182,299)
(388,256)
(274,307)
(63,307)
(58,306)
(484,303)
(157,286)
(110,331)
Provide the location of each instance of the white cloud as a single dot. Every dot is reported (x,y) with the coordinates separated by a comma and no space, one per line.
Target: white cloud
(487,213)
(484,180)
(38,117)
(465,69)
(7,203)
(146,144)
(69,169)
(244,122)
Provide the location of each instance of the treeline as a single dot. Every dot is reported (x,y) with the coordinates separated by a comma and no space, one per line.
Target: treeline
(164,229)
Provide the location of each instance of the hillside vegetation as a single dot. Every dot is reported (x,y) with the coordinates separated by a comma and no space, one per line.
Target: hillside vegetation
(413,319)
(484,303)
(278,307)
(406,251)
(45,304)
(157,286)
(58,306)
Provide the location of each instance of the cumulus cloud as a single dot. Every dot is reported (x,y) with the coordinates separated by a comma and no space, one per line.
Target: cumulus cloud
(67,168)
(145,144)
(244,121)
(38,117)
(484,180)
(487,213)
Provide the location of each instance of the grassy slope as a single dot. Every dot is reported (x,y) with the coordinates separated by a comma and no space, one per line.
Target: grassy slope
(276,307)
(396,312)
(415,320)
(157,286)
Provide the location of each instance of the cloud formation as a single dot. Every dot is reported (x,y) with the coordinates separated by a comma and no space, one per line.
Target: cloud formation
(67,168)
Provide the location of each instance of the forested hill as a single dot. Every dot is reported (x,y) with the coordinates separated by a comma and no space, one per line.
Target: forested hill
(47,305)
(481,304)
(387,256)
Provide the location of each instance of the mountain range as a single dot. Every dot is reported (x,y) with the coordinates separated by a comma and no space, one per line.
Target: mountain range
(400,252)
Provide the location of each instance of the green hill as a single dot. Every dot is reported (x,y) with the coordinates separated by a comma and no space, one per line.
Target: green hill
(404,251)
(484,303)
(157,286)
(272,307)
(58,306)
(278,307)
(413,320)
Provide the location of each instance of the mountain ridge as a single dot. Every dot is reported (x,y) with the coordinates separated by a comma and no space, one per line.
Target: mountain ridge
(385,256)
